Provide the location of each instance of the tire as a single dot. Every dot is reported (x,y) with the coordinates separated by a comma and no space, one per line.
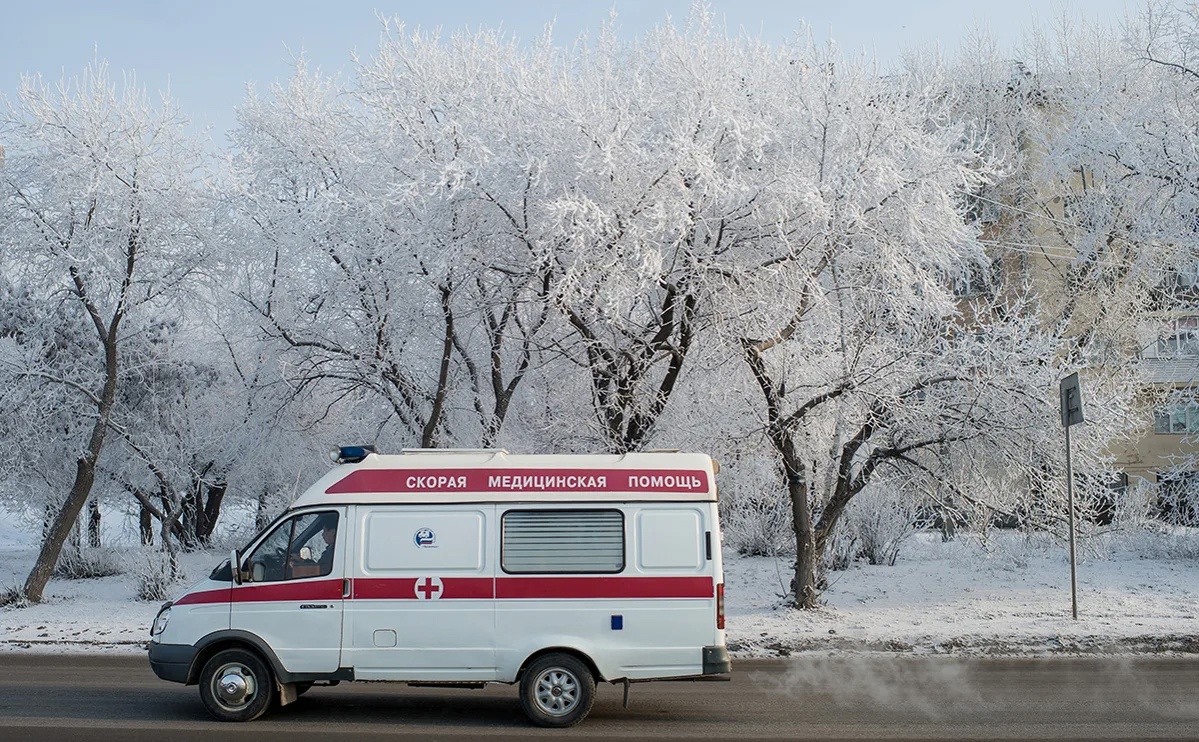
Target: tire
(557,690)
(236,685)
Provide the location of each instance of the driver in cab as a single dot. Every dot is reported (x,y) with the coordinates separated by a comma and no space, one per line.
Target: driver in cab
(329,533)
(301,563)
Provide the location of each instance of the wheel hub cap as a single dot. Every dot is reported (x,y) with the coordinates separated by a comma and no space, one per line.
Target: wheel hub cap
(234,688)
(556,692)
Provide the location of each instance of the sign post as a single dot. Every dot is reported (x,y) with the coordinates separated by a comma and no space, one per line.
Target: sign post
(1071,403)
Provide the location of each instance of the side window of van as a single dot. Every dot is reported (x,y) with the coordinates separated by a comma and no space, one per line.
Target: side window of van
(299,547)
(562,542)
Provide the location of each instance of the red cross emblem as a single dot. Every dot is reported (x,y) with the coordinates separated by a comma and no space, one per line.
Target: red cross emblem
(428,588)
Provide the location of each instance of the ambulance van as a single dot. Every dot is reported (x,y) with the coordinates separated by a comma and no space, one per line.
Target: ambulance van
(462,568)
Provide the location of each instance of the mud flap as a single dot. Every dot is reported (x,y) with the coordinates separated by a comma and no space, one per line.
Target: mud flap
(287,693)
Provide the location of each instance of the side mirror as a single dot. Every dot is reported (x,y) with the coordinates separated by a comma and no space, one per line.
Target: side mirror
(257,572)
(306,553)
(234,567)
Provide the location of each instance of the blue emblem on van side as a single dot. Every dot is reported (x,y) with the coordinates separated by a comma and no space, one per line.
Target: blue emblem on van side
(425,537)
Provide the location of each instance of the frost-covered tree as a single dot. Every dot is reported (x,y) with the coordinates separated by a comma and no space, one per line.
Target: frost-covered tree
(852,332)
(399,256)
(178,424)
(101,217)
(434,241)
(658,154)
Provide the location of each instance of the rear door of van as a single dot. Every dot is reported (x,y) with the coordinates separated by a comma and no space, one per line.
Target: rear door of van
(629,584)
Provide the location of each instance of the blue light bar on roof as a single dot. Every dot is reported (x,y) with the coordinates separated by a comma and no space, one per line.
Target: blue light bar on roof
(351,454)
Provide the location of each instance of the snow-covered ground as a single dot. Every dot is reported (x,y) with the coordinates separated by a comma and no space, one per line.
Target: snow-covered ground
(1010,595)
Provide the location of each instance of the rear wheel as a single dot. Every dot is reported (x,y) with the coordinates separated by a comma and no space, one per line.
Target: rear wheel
(236,685)
(557,690)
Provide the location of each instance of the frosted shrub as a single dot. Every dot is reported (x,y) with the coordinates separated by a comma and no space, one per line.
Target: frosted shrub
(843,547)
(1150,523)
(1016,551)
(157,572)
(88,564)
(758,523)
(13,597)
(1155,542)
(875,525)
(1177,502)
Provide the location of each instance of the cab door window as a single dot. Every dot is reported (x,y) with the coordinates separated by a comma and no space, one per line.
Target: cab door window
(299,547)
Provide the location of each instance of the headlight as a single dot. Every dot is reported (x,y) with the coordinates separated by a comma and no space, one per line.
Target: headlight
(160,622)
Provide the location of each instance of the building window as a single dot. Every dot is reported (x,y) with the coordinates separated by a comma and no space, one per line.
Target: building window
(1177,419)
(1187,277)
(1181,339)
(562,542)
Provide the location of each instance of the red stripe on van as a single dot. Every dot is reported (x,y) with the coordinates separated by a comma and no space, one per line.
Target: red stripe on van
(204,596)
(467,588)
(404,588)
(604,587)
(284,591)
(522,480)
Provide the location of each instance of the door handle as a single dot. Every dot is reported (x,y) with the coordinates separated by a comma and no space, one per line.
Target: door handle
(346,586)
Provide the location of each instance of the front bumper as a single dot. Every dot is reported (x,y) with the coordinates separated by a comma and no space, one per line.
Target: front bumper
(716,660)
(172,661)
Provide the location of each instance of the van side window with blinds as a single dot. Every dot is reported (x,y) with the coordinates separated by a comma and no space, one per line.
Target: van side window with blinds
(562,542)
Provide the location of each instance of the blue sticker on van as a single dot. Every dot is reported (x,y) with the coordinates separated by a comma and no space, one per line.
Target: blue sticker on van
(425,537)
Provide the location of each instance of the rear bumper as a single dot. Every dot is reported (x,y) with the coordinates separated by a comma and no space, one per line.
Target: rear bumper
(171,661)
(716,660)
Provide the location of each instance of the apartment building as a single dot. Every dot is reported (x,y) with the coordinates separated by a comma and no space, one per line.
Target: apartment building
(1166,452)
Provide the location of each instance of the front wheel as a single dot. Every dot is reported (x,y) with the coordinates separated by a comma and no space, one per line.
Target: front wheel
(236,685)
(557,690)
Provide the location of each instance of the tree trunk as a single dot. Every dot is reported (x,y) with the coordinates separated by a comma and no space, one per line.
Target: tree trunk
(64,521)
(798,489)
(261,515)
(948,527)
(209,510)
(85,467)
(946,499)
(145,525)
(93,523)
(805,541)
(429,435)
(72,550)
(171,568)
(188,520)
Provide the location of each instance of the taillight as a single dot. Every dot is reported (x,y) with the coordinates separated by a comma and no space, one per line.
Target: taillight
(720,606)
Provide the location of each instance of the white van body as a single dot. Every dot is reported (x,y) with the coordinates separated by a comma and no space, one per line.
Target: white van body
(465,568)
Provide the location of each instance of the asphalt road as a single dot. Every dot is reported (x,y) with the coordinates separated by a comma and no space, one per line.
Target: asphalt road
(96,698)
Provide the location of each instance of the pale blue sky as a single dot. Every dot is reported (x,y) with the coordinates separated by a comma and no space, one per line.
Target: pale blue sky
(208,51)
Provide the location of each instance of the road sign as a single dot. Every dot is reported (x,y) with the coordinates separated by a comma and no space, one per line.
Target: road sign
(1071,401)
